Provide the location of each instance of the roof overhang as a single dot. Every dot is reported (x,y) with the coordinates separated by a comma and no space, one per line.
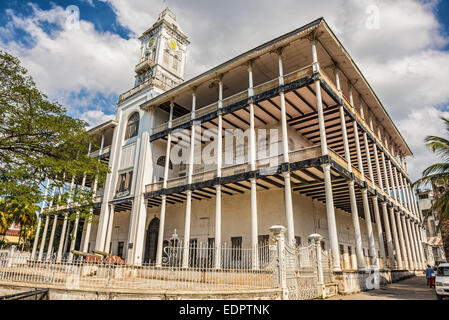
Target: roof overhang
(334,48)
(103,126)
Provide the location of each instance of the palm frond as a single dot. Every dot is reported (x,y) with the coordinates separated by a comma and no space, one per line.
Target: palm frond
(432,178)
(446,122)
(437,168)
(439,148)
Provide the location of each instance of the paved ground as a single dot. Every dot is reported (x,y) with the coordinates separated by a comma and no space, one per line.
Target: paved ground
(411,289)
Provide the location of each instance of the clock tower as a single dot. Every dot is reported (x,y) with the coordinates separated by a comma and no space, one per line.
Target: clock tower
(163,55)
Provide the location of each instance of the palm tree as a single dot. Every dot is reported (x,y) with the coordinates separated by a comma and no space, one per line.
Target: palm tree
(438,173)
(25,215)
(5,219)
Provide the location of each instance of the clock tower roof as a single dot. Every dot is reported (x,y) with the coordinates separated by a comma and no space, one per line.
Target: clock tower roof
(167,19)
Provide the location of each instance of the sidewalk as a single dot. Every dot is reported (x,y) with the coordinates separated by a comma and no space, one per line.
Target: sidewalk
(410,289)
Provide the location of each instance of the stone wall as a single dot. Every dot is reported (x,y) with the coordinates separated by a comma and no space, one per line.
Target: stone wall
(63,294)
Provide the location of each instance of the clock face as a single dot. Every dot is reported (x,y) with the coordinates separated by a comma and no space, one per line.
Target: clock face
(150,44)
(173,44)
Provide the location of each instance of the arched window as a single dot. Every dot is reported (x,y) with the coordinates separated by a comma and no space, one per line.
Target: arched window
(132,128)
(161,162)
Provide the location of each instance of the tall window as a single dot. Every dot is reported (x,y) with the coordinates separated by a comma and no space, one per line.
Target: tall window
(132,129)
(175,62)
(124,183)
(121,245)
(236,252)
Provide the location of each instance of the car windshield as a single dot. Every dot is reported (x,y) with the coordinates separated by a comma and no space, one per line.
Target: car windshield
(443,271)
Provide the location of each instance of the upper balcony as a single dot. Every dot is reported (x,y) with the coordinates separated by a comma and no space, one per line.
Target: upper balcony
(307,178)
(103,154)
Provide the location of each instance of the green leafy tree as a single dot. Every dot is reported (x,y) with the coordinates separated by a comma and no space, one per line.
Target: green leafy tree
(38,140)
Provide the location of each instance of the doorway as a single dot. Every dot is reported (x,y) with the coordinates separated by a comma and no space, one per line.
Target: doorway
(151,243)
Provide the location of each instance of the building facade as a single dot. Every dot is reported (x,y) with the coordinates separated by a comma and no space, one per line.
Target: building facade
(433,246)
(289,133)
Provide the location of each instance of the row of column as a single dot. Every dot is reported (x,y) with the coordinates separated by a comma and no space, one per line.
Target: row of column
(403,237)
(65,232)
(407,236)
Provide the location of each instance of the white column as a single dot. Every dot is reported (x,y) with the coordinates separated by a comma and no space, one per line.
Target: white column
(44,236)
(52,237)
(369,228)
(418,262)
(387,182)
(64,224)
(85,246)
(74,233)
(252,163)
(62,238)
(379,174)
(189,182)
(331,221)
(411,262)
(397,244)
(390,246)
(410,243)
(402,240)
(359,152)
(407,192)
(395,172)
(39,222)
(416,205)
(367,209)
(160,239)
(420,246)
(403,190)
(47,221)
(393,186)
(76,222)
(287,182)
(380,235)
(55,222)
(417,245)
(89,219)
(353,201)
(67,237)
(218,186)
(368,157)
(110,226)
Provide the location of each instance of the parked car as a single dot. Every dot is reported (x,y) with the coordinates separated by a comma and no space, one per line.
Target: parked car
(442,281)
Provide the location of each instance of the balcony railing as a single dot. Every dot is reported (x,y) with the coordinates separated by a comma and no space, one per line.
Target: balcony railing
(274,83)
(359,118)
(227,171)
(144,65)
(97,154)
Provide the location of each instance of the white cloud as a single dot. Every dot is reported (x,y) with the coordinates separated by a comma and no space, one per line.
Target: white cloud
(418,124)
(70,61)
(96,117)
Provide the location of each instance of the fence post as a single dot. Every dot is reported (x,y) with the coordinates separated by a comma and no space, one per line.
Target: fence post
(278,235)
(316,242)
(11,256)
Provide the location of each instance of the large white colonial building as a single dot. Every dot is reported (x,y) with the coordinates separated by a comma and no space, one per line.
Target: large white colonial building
(334,162)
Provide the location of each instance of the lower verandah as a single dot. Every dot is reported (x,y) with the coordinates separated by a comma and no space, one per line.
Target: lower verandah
(309,218)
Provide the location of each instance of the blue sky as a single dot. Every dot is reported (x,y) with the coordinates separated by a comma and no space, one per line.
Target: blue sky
(406,59)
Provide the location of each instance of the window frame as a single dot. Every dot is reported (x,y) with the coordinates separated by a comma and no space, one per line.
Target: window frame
(132,126)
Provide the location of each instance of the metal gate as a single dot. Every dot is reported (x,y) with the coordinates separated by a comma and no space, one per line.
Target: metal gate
(301,272)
